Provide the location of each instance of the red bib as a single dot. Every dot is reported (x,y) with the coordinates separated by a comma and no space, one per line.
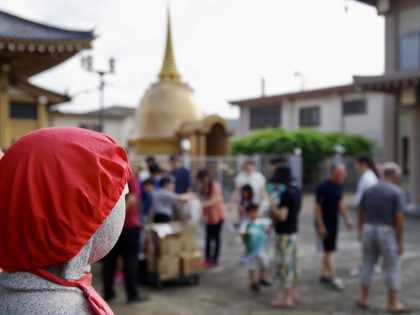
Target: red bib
(96,303)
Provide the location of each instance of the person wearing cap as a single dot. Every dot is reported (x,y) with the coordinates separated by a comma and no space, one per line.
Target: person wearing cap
(286,225)
(62,192)
(281,172)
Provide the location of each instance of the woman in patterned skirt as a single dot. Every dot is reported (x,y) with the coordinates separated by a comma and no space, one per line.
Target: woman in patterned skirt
(286,221)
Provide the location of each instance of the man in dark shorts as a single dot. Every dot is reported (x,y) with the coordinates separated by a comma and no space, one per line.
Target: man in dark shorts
(329,205)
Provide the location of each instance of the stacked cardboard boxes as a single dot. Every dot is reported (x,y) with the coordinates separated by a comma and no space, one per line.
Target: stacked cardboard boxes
(172,251)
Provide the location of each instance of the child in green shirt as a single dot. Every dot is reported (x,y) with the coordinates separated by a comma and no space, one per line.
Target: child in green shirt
(255,238)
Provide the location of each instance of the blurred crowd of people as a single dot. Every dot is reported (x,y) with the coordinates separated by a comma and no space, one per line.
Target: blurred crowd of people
(158,196)
(269,209)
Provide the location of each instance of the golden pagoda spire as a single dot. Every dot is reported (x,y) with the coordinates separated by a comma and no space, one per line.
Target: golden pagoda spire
(169,70)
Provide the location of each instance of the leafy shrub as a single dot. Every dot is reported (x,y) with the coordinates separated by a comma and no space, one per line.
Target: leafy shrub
(315,145)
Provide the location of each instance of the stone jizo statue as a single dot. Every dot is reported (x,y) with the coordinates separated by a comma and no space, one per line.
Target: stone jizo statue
(62,196)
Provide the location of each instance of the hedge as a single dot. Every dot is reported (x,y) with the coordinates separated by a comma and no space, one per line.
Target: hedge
(315,145)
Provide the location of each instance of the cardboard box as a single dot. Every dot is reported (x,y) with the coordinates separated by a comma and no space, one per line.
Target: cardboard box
(170,245)
(172,238)
(191,263)
(151,263)
(162,230)
(189,244)
(151,255)
(189,239)
(189,230)
(168,267)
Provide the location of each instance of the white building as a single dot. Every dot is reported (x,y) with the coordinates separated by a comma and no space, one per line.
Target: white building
(401,84)
(118,124)
(343,108)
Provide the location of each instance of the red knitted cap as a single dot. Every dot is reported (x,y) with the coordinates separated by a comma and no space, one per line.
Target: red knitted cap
(57,186)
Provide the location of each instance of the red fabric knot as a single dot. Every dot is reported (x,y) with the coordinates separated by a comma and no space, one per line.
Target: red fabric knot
(96,303)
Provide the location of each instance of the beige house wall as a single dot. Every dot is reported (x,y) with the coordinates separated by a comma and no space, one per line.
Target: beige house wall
(370,125)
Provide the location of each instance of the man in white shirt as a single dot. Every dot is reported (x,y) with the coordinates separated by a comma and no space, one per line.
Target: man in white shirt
(368,177)
(255,179)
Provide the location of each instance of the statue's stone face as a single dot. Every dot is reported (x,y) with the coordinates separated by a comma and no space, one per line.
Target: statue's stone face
(108,233)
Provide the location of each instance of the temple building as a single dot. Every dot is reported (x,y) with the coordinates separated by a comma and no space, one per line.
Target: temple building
(167,115)
(28,48)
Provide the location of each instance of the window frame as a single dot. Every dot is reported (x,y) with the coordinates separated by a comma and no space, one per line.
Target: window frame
(264,116)
(350,107)
(310,121)
(23,111)
(409,50)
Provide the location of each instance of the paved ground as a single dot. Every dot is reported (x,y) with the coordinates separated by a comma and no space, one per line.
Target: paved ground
(224,290)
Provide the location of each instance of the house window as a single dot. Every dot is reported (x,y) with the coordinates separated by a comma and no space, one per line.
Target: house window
(265,116)
(354,107)
(23,111)
(310,117)
(409,50)
(405,156)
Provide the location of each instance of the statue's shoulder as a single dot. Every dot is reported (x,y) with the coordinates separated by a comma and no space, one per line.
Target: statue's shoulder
(44,302)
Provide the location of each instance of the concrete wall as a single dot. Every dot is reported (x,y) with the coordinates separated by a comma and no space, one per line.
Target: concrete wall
(244,122)
(409,18)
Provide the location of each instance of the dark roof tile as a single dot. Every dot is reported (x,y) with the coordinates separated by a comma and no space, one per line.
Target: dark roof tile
(16,28)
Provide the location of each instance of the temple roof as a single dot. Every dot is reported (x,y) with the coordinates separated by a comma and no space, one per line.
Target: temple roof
(28,48)
(169,70)
(53,98)
(16,28)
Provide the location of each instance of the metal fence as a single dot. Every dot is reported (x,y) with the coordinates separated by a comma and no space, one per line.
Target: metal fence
(322,171)
(225,168)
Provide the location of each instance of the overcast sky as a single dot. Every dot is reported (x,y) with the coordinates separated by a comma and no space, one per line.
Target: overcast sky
(222,47)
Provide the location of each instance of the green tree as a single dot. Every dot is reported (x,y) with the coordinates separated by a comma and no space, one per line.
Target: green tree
(315,145)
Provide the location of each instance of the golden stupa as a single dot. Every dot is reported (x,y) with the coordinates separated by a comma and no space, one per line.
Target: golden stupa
(168,114)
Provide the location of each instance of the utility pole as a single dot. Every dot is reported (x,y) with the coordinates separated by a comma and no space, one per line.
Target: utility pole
(262,87)
(302,79)
(87,64)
